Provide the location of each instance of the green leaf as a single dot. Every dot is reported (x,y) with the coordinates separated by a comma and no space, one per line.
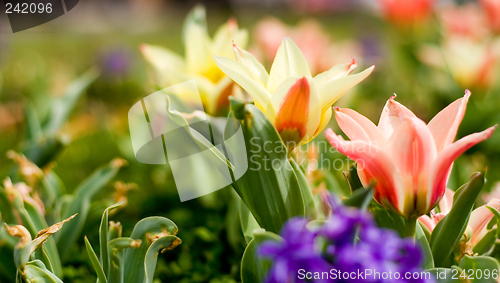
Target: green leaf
(353,178)
(95,262)
(486,243)
(424,246)
(44,152)
(270,187)
(62,107)
(163,243)
(360,198)
(248,222)
(35,271)
(305,190)
(145,229)
(387,218)
(34,131)
(103,237)
(7,264)
(451,228)
(51,256)
(476,266)
(253,267)
(81,203)
(115,248)
(496,213)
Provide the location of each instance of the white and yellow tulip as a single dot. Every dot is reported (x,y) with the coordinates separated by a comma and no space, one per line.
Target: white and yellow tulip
(198,64)
(297,104)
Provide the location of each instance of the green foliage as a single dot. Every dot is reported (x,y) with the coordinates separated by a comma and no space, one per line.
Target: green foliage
(253,267)
(132,259)
(451,228)
(271,187)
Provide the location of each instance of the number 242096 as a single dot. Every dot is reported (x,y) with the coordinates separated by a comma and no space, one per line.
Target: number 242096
(28,8)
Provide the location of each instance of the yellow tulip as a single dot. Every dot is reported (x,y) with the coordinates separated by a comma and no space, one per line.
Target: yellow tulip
(214,87)
(297,104)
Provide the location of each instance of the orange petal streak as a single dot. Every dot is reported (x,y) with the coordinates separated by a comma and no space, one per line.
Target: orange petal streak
(293,112)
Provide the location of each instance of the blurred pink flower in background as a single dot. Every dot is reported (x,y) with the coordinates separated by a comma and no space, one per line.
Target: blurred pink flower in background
(467,50)
(406,12)
(494,194)
(466,20)
(492,11)
(317,47)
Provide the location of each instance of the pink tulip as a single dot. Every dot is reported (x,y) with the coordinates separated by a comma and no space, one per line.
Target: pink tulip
(408,161)
(478,222)
(444,208)
(479,219)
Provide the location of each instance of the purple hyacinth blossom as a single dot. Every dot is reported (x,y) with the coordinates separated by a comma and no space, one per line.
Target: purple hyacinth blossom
(348,241)
(296,251)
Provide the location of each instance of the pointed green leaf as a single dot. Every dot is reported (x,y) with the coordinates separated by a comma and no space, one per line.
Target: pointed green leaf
(103,237)
(270,187)
(424,246)
(95,262)
(451,228)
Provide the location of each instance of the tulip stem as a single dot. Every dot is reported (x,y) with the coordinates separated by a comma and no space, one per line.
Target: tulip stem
(410,227)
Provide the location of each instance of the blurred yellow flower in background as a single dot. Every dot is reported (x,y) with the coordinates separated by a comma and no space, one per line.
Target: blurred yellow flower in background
(198,63)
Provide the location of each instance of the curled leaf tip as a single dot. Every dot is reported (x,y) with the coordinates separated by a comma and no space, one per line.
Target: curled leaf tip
(176,243)
(20,232)
(135,244)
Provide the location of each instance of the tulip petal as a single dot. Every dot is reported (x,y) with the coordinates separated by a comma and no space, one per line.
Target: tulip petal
(336,72)
(413,151)
(249,60)
(161,58)
(357,126)
(377,165)
(445,124)
(197,43)
(245,78)
(332,90)
(227,34)
(446,202)
(440,170)
(323,122)
(295,110)
(393,115)
(289,62)
(427,222)
(479,220)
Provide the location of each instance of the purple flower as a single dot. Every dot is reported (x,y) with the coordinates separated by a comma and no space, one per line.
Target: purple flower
(347,243)
(296,251)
